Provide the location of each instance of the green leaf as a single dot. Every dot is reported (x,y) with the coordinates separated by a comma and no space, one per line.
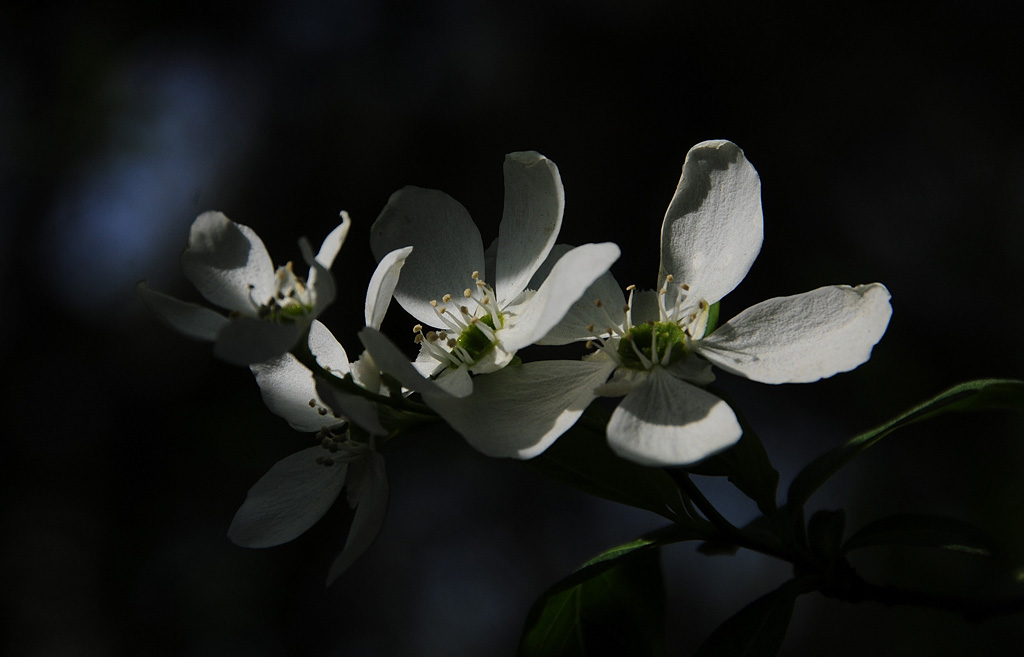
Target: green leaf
(712,318)
(613,605)
(923,530)
(825,532)
(985,394)
(746,464)
(758,629)
(582,459)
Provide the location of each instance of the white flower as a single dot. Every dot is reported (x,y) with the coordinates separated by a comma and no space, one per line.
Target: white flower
(299,490)
(479,328)
(656,342)
(269,310)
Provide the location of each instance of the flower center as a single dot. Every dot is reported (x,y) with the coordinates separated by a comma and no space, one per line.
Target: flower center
(647,344)
(292,298)
(653,343)
(471,327)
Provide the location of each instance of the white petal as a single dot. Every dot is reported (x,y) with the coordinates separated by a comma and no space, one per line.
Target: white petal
(569,279)
(228,263)
(330,247)
(446,242)
(390,359)
(644,307)
(245,340)
(288,500)
(326,349)
(519,411)
(359,410)
(188,318)
(456,382)
(666,421)
(382,285)
(534,202)
(287,386)
(713,227)
(801,338)
(368,494)
(332,243)
(320,279)
(583,313)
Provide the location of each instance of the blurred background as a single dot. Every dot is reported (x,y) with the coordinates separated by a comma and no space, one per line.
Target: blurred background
(890,146)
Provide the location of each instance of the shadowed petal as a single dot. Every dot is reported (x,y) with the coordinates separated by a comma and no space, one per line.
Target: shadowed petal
(368,495)
(801,338)
(390,359)
(532,217)
(288,500)
(382,285)
(519,411)
(569,279)
(713,227)
(193,320)
(359,410)
(583,313)
(665,421)
(228,263)
(447,247)
(244,341)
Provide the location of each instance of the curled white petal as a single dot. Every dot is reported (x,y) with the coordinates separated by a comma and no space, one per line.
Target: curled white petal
(521,410)
(713,227)
(569,279)
(382,285)
(191,319)
(532,217)
(228,263)
(446,247)
(666,421)
(368,495)
(288,500)
(804,337)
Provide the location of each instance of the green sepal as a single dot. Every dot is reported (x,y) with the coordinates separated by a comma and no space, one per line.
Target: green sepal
(582,459)
(614,604)
(986,394)
(712,318)
(923,530)
(758,629)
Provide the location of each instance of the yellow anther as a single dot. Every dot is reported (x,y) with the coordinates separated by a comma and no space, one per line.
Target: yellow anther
(467,293)
(446,298)
(630,287)
(669,278)
(433,302)
(417,328)
(476,275)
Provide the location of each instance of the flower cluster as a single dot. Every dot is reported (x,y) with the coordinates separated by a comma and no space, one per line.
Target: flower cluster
(474,310)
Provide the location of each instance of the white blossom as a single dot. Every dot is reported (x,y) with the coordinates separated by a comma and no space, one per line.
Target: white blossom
(476,327)
(299,489)
(268,309)
(654,342)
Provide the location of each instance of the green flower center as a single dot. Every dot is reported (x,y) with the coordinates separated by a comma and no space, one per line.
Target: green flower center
(474,341)
(658,342)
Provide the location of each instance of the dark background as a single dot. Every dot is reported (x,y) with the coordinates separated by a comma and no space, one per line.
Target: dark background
(890,147)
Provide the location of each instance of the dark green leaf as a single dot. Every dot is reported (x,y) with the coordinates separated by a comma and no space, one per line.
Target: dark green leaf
(746,464)
(618,610)
(825,532)
(758,629)
(582,459)
(922,530)
(975,395)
